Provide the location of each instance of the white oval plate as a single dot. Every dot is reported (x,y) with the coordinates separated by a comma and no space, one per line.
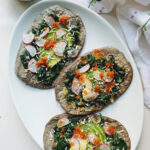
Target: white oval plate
(35,107)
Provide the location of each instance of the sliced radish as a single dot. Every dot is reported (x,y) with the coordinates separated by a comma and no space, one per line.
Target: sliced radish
(107,127)
(84,68)
(60,32)
(91,96)
(31,49)
(73,53)
(45,32)
(104,147)
(28,38)
(40,42)
(49,20)
(32,66)
(59,48)
(75,144)
(92,138)
(62,122)
(76,86)
(96,75)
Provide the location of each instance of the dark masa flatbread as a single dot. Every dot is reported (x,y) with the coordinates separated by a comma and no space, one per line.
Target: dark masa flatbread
(28,77)
(48,133)
(119,59)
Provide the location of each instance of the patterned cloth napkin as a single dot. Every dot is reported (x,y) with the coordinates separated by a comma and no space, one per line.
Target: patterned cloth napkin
(134,18)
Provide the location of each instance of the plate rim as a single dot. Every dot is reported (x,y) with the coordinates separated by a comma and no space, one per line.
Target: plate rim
(103,20)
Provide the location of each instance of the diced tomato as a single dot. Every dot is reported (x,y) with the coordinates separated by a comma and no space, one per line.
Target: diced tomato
(63,20)
(42,61)
(97,142)
(38,64)
(97,88)
(95,66)
(77,73)
(111,129)
(78,96)
(110,74)
(78,133)
(112,84)
(109,64)
(83,135)
(94,139)
(54,143)
(77,130)
(101,75)
(49,44)
(71,144)
(61,135)
(109,86)
(55,24)
(107,89)
(82,79)
(97,53)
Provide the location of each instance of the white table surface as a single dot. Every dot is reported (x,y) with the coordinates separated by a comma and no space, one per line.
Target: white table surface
(13,135)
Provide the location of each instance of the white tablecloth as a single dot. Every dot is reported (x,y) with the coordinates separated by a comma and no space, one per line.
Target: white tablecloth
(13,135)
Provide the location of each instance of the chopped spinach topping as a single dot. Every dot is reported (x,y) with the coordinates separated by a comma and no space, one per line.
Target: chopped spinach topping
(42,25)
(70,98)
(76,31)
(34,31)
(119,73)
(25,58)
(91,59)
(116,143)
(63,134)
(103,97)
(76,36)
(44,75)
(47,76)
(102,119)
(62,141)
(39,30)
(54,16)
(70,75)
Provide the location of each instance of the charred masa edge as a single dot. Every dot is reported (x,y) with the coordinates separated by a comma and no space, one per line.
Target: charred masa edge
(123,87)
(48,138)
(19,69)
